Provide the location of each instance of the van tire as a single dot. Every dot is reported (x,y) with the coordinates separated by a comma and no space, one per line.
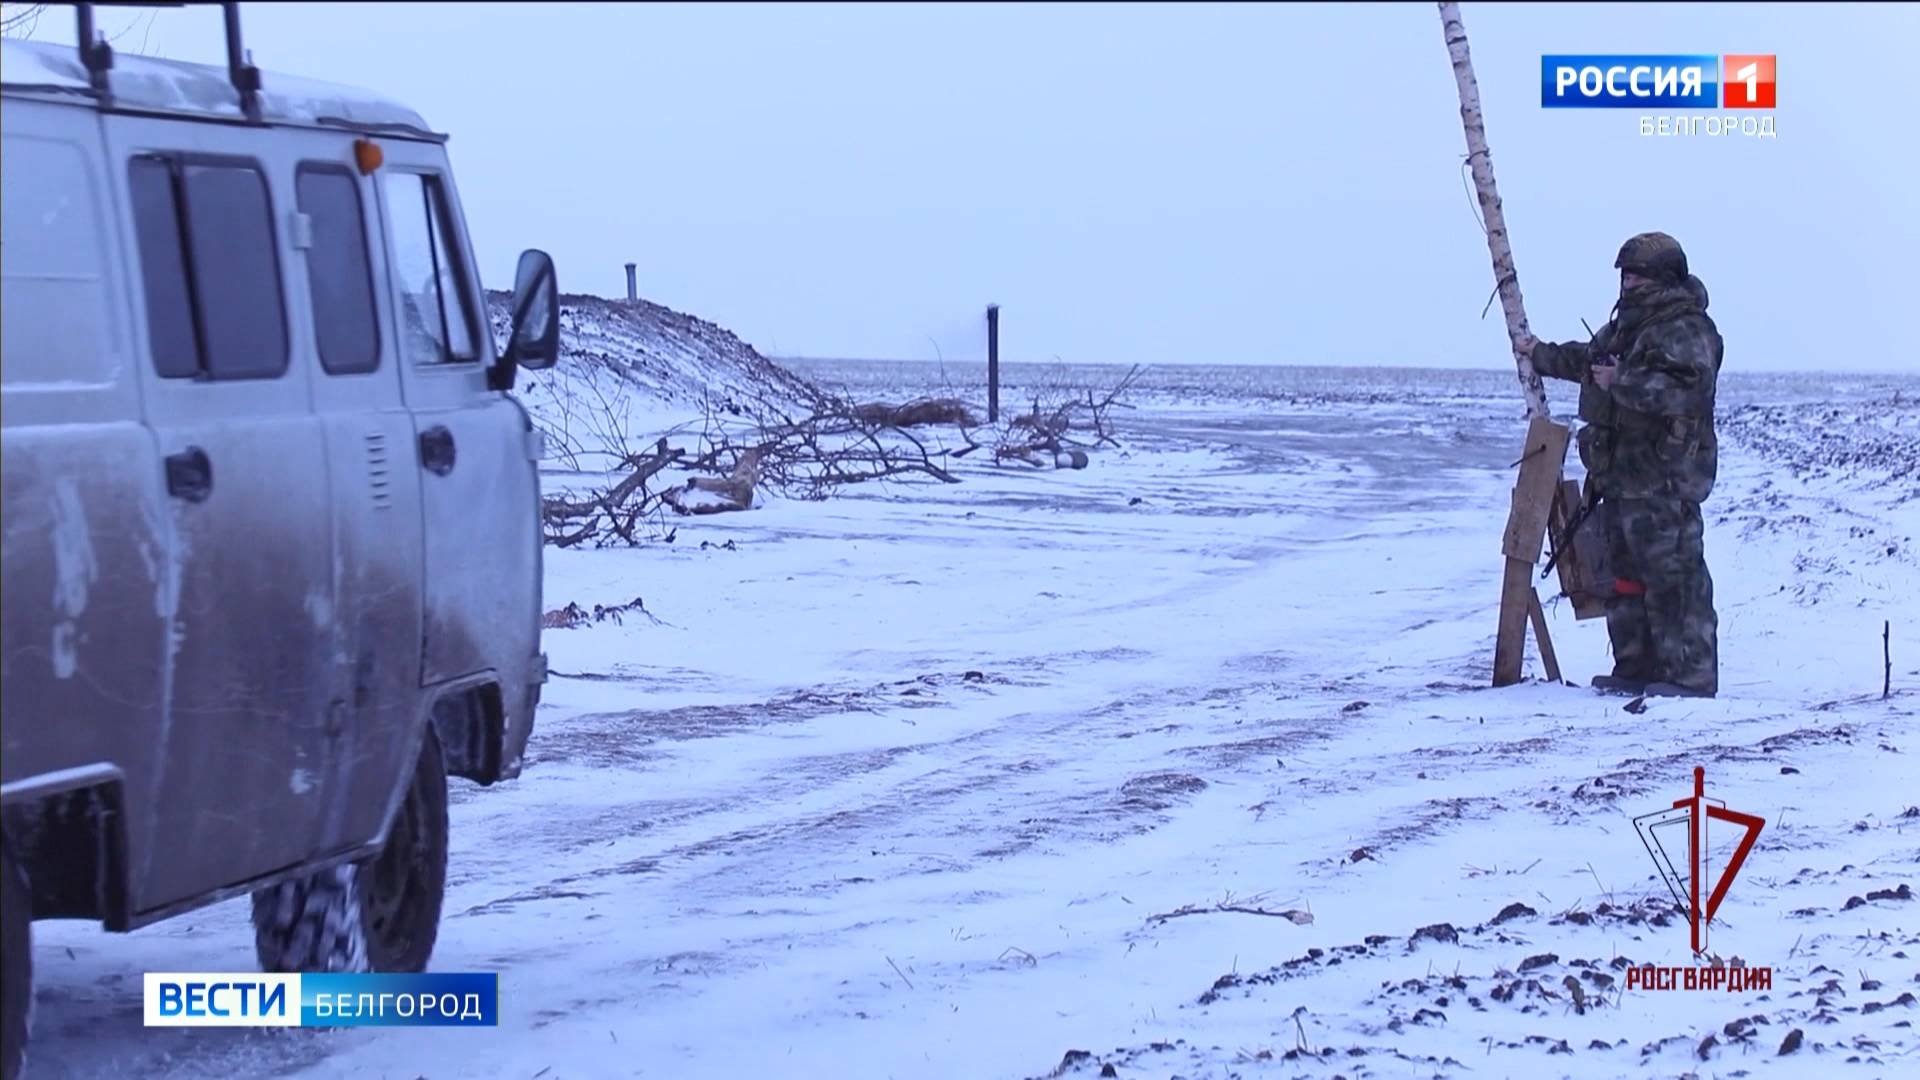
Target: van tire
(382,914)
(311,923)
(404,887)
(16,952)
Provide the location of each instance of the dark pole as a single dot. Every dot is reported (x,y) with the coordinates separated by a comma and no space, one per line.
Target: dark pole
(240,70)
(993,363)
(633,290)
(95,53)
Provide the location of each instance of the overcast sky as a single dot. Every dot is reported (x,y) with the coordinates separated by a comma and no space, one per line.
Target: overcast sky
(1138,183)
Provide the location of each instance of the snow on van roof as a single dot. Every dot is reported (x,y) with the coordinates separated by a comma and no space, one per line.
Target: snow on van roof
(141,82)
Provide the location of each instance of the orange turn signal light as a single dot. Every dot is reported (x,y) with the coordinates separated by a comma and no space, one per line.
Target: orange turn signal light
(367,155)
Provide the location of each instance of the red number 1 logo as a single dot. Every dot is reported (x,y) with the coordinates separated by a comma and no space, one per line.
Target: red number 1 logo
(1746,81)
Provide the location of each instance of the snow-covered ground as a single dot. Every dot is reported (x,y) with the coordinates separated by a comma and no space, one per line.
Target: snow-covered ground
(955,781)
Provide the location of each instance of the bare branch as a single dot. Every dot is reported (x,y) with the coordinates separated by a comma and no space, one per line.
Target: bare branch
(1297,918)
(22,21)
(744,444)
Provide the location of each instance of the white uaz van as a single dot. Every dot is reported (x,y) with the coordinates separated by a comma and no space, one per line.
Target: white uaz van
(271,515)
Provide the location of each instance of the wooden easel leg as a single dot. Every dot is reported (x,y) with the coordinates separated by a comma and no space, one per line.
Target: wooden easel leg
(1541,637)
(1510,646)
(1533,494)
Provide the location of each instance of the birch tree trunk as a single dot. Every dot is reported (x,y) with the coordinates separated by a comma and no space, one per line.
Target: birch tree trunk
(1481,163)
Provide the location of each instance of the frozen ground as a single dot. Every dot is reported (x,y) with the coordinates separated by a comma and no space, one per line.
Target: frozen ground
(952,782)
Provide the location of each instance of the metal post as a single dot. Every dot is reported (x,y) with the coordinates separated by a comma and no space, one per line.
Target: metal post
(1697,851)
(993,363)
(633,289)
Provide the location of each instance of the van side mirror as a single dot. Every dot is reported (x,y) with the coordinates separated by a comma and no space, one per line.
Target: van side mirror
(535,340)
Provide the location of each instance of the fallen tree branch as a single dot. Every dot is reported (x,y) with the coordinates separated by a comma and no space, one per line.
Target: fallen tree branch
(616,511)
(574,616)
(1297,918)
(897,971)
(740,447)
(1057,432)
(921,412)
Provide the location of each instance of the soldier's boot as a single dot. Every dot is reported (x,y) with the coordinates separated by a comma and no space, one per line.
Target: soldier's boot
(1619,684)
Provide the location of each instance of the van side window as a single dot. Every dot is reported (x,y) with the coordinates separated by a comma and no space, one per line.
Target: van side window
(338,270)
(210,266)
(172,335)
(60,327)
(436,322)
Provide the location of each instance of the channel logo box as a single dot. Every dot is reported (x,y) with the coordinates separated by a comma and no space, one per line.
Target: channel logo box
(1749,81)
(254,999)
(1629,82)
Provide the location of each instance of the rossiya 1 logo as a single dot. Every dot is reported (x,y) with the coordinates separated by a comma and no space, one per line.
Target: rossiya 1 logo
(1725,81)
(1690,82)
(1696,889)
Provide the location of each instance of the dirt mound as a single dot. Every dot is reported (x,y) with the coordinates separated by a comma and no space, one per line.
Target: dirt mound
(664,355)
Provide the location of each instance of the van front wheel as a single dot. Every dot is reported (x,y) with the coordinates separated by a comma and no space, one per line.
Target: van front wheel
(379,915)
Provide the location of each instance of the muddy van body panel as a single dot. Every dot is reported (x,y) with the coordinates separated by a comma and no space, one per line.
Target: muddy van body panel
(90,584)
(375,494)
(246,477)
(482,596)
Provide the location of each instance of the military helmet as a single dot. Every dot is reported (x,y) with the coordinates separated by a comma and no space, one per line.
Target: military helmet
(1653,255)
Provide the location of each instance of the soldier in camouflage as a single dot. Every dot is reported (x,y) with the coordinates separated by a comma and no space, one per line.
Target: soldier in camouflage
(1647,381)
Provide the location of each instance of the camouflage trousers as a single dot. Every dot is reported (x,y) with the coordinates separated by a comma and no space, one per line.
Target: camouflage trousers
(1661,619)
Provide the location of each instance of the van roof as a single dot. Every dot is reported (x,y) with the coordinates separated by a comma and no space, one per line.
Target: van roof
(148,84)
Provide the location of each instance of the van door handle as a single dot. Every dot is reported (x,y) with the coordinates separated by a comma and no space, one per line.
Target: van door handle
(190,475)
(436,450)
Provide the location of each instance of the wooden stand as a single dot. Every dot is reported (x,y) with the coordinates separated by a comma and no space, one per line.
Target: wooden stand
(1534,496)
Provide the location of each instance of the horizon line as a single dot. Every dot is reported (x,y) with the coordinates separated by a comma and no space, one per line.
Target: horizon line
(801,358)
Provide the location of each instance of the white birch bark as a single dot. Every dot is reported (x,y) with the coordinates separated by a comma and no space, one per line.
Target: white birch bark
(1481,164)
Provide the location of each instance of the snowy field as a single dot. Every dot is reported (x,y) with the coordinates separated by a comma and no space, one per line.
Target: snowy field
(1003,779)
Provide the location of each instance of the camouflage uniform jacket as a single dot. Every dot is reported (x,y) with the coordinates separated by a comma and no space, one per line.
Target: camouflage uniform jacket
(1650,436)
